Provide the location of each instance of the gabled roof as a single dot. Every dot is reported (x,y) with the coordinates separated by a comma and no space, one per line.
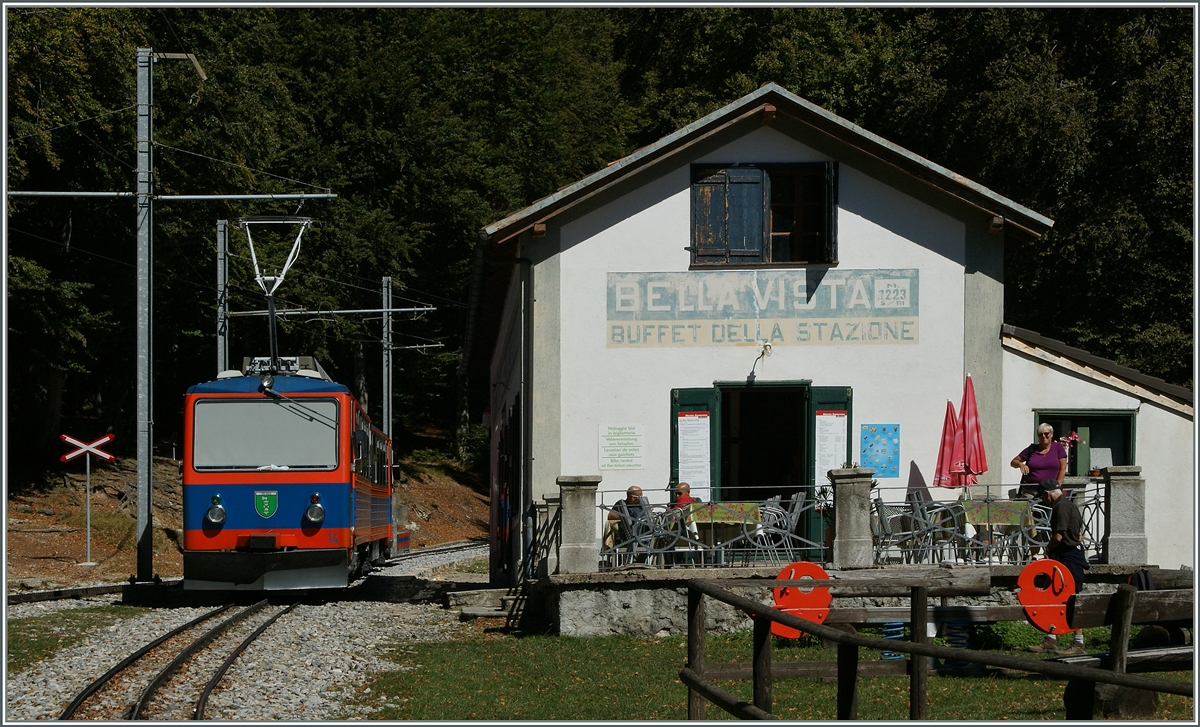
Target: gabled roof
(1131,381)
(765,103)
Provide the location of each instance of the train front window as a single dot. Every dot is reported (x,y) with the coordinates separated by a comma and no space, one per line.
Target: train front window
(265,434)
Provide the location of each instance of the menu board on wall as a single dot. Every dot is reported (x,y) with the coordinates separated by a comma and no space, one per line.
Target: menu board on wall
(695,455)
(831,442)
(621,446)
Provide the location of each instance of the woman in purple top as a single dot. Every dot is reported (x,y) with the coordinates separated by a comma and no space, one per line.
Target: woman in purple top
(1044,460)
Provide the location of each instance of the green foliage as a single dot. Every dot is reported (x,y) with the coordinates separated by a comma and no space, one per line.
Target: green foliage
(1016,635)
(1084,115)
(428,456)
(1005,635)
(474,447)
(429,123)
(37,638)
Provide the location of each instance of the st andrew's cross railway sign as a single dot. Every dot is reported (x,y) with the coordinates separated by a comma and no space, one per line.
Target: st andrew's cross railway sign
(87,448)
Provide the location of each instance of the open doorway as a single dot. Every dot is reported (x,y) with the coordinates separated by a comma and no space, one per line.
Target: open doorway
(763,442)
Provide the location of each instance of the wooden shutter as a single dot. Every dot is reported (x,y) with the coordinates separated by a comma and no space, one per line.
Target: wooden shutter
(747,214)
(729,215)
(709,201)
(831,206)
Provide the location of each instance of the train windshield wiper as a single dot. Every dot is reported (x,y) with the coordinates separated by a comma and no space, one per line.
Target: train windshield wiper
(273,467)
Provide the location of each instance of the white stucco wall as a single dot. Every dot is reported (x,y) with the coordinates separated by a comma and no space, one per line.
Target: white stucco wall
(879,227)
(1163,447)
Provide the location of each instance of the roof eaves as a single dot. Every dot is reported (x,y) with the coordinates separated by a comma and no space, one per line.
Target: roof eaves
(1035,223)
(519,220)
(1030,221)
(1152,383)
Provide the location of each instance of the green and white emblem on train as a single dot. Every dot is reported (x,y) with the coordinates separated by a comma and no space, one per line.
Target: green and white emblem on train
(266,503)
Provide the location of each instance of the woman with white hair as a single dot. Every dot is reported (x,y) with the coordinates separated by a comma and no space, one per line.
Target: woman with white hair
(1045,459)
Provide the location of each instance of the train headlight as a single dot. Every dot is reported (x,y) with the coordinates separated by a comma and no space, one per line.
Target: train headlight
(315,514)
(215,514)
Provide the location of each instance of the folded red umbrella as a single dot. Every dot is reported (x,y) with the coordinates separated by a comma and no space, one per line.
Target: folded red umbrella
(969,457)
(943,476)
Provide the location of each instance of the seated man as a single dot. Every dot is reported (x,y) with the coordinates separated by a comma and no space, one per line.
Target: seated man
(683,495)
(623,516)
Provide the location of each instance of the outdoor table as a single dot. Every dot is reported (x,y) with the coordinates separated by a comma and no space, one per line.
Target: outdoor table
(723,523)
(1001,525)
(995,512)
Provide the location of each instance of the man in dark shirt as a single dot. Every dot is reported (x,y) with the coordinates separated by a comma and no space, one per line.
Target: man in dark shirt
(629,522)
(1066,531)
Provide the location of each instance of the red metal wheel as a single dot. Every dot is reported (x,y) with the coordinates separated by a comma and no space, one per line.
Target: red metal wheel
(810,604)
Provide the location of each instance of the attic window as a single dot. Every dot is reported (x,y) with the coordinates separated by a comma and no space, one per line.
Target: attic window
(764,214)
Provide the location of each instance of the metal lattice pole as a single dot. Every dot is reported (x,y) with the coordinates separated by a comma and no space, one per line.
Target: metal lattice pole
(145,355)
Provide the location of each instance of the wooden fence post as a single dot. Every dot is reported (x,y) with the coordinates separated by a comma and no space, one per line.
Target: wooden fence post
(1122,608)
(762,664)
(1079,697)
(918,665)
(696,619)
(847,681)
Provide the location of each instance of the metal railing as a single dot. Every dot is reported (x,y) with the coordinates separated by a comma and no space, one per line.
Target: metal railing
(773,531)
(909,526)
(701,690)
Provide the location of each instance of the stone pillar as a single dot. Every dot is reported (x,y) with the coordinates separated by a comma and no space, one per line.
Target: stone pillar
(1124,516)
(852,547)
(579,549)
(548,534)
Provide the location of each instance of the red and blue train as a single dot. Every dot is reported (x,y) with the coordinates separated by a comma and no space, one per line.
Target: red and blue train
(286,484)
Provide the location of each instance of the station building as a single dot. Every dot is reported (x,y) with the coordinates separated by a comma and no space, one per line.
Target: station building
(771,292)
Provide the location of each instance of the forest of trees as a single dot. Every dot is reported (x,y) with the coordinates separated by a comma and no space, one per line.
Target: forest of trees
(431,123)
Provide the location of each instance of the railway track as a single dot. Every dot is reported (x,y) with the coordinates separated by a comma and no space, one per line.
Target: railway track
(88,591)
(162,680)
(436,550)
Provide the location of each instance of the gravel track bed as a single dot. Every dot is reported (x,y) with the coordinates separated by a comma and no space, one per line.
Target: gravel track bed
(45,690)
(176,700)
(302,668)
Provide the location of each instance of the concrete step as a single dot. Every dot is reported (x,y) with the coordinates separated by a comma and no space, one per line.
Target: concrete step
(473,612)
(486,597)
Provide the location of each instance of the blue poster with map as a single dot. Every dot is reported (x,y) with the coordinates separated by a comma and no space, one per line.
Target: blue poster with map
(880,449)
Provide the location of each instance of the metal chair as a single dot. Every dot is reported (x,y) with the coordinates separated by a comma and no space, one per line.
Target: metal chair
(892,527)
(941,527)
(678,538)
(1034,532)
(634,538)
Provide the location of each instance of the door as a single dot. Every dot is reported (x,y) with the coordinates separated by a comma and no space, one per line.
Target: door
(690,410)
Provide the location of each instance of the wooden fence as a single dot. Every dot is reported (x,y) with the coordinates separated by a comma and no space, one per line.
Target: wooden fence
(701,690)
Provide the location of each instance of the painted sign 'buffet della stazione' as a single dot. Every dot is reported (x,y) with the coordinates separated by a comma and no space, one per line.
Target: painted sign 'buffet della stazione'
(749,306)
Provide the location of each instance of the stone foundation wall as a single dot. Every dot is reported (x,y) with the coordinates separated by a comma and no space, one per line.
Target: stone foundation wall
(650,609)
(643,612)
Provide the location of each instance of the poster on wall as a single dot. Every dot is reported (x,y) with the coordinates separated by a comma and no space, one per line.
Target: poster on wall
(831,443)
(621,446)
(880,449)
(694,453)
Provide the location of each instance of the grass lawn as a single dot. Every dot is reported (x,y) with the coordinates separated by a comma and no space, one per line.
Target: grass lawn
(33,639)
(491,676)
